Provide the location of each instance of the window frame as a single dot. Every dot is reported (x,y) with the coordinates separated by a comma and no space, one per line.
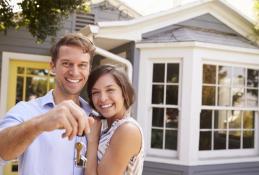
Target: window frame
(207,154)
(164,152)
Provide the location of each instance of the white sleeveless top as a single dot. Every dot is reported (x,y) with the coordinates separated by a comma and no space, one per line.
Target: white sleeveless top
(135,165)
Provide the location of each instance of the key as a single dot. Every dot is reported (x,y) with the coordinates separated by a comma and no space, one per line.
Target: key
(79,147)
(80,159)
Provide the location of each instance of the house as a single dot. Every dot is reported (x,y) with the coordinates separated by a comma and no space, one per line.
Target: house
(196,75)
(195,70)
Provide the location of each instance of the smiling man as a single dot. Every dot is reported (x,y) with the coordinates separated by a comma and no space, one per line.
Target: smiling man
(35,131)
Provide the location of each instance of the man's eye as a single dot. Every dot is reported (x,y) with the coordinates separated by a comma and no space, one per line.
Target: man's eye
(65,64)
(83,66)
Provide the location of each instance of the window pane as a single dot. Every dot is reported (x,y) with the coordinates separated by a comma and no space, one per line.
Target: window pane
(249,120)
(248,139)
(224,75)
(234,119)
(158,117)
(252,98)
(172,94)
(206,119)
(205,140)
(208,95)
(173,73)
(234,140)
(224,96)
(35,87)
(171,118)
(157,94)
(158,72)
(238,97)
(252,78)
(220,119)
(157,138)
(19,89)
(20,70)
(219,140)
(238,76)
(171,139)
(209,74)
(35,71)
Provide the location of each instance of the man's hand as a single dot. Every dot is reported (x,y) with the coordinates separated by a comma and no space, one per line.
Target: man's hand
(68,116)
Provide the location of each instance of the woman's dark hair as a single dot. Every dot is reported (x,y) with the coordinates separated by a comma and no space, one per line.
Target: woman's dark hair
(119,76)
(73,39)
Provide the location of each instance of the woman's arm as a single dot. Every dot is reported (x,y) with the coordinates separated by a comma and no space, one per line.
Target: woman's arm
(92,148)
(124,144)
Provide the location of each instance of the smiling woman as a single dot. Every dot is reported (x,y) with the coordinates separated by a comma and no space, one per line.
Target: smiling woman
(119,149)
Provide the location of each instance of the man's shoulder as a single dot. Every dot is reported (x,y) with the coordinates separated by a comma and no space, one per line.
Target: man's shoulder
(85,105)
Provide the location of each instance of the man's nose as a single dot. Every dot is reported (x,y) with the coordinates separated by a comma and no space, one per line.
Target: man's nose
(74,70)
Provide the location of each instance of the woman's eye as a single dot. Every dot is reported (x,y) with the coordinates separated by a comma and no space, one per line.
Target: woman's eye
(110,90)
(94,93)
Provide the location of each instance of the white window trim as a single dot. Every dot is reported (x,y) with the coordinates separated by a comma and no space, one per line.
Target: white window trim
(229,153)
(6,58)
(148,89)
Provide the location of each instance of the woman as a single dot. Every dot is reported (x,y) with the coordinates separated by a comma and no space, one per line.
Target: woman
(119,148)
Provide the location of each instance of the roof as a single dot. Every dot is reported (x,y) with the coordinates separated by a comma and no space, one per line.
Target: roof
(205,28)
(121,6)
(132,30)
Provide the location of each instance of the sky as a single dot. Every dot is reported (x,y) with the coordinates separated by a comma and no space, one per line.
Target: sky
(146,7)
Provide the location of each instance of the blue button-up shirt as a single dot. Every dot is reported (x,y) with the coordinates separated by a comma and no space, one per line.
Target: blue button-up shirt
(49,153)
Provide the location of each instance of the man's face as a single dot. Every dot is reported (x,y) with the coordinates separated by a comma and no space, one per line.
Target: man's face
(71,70)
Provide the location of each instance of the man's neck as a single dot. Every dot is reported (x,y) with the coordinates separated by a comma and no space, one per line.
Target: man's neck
(59,97)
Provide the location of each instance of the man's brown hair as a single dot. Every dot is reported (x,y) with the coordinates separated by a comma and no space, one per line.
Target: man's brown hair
(73,39)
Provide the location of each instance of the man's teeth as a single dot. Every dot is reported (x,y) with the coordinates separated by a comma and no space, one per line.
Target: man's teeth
(106,106)
(73,81)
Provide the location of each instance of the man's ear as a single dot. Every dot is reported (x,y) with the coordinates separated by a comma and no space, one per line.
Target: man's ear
(52,68)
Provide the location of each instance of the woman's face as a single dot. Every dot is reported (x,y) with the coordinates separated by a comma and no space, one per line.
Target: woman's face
(107,97)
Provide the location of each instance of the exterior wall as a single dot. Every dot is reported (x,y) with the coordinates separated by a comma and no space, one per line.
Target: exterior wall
(188,160)
(151,168)
(22,41)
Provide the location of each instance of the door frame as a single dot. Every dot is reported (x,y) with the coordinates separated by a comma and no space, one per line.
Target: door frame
(6,58)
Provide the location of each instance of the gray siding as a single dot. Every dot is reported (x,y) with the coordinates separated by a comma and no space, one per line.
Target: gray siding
(205,28)
(22,41)
(151,168)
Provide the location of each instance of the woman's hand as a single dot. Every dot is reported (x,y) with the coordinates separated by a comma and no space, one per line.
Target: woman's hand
(95,132)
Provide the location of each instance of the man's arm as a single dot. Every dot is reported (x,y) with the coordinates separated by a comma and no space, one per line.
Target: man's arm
(66,115)
(14,140)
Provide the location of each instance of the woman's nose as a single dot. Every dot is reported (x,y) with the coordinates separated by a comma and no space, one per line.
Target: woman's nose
(103,97)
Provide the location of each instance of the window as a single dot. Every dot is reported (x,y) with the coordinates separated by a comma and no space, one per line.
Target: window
(229,107)
(165,106)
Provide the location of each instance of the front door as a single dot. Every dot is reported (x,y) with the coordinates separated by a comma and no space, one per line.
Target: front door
(27,80)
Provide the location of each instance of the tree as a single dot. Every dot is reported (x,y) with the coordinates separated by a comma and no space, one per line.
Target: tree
(43,18)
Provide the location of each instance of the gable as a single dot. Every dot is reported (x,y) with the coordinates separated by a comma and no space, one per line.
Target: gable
(104,11)
(218,9)
(205,28)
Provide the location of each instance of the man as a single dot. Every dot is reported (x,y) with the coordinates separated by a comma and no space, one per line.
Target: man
(35,131)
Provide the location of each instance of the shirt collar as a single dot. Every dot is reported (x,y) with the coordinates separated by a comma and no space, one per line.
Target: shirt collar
(48,100)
